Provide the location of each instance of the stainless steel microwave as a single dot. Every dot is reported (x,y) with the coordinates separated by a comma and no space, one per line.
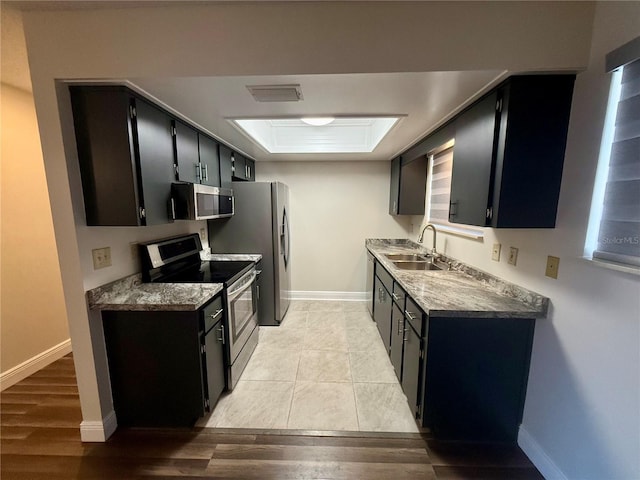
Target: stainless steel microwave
(192,201)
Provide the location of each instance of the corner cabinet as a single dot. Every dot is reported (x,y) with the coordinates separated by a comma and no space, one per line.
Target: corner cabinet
(125,151)
(509,153)
(408,188)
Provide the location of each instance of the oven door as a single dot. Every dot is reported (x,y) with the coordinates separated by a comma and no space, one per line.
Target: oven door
(241,308)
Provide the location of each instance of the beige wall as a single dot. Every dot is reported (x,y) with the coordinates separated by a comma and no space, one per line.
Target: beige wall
(33,314)
(334,207)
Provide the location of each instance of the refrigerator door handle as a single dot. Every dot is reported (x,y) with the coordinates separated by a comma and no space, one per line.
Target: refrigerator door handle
(284,238)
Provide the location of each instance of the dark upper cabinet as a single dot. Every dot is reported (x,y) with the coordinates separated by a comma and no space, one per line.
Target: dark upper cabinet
(187,156)
(408,186)
(472,158)
(126,156)
(243,168)
(226,165)
(196,156)
(209,161)
(509,152)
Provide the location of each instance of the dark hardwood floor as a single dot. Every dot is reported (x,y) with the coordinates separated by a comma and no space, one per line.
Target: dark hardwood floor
(40,438)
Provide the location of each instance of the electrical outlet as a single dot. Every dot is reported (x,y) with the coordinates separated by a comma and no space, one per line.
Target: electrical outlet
(101,257)
(553,263)
(495,253)
(135,252)
(513,256)
(203,234)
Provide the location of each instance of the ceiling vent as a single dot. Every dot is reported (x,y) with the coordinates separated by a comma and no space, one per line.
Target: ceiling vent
(276,93)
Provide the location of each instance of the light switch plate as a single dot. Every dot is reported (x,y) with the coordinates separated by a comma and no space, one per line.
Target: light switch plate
(101,257)
(203,234)
(553,263)
(495,253)
(513,256)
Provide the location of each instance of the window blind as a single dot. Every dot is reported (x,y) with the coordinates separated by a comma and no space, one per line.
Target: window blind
(441,166)
(619,234)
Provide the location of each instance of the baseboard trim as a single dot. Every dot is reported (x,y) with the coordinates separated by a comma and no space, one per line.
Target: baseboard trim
(327,295)
(98,431)
(538,456)
(31,366)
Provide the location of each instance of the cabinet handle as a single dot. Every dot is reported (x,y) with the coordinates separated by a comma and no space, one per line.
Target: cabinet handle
(198,171)
(217,314)
(173,208)
(206,172)
(221,337)
(401,328)
(142,212)
(395,297)
(408,314)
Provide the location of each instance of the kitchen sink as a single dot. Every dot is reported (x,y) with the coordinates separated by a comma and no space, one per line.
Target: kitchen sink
(412,257)
(423,265)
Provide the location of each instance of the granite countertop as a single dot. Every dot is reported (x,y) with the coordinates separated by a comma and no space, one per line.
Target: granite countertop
(462,291)
(131,293)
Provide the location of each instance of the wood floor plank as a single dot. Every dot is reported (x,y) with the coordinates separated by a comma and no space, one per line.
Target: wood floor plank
(486,473)
(341,441)
(43,399)
(321,454)
(307,470)
(43,389)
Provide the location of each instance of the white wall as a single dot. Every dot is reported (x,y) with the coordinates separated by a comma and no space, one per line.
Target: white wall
(153,41)
(334,207)
(583,399)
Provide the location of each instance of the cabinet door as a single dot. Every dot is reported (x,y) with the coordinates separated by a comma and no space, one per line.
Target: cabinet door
(155,157)
(473,156)
(382,312)
(251,170)
(187,159)
(413,187)
(239,167)
(213,360)
(226,166)
(394,190)
(412,367)
(397,335)
(209,161)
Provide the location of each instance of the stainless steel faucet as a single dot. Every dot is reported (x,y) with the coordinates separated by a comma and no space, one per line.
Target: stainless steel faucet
(421,238)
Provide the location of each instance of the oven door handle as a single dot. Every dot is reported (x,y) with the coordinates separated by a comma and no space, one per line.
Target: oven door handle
(238,291)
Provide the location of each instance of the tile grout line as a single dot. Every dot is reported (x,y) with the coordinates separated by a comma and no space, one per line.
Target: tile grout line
(295,382)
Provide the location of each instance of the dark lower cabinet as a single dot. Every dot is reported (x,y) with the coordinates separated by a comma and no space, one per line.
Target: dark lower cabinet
(382,311)
(412,368)
(165,370)
(476,377)
(397,339)
(465,379)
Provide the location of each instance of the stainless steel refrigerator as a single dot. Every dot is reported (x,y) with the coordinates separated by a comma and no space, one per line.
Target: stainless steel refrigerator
(260,224)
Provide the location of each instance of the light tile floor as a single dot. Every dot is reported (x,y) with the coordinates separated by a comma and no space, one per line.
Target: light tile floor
(324,368)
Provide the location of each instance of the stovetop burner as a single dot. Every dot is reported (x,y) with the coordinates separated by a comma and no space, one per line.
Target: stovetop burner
(209,272)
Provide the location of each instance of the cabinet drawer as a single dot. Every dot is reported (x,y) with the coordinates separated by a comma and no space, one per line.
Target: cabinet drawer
(398,295)
(212,313)
(384,277)
(414,315)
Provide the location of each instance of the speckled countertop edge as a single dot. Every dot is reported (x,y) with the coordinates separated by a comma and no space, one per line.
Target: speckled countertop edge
(132,294)
(462,292)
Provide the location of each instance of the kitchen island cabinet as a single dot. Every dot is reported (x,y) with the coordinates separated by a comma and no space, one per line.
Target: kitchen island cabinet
(167,368)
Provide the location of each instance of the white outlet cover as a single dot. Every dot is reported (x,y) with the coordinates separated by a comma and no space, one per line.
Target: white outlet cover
(495,253)
(513,256)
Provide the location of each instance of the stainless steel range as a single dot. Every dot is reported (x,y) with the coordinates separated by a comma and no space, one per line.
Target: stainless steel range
(177,260)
